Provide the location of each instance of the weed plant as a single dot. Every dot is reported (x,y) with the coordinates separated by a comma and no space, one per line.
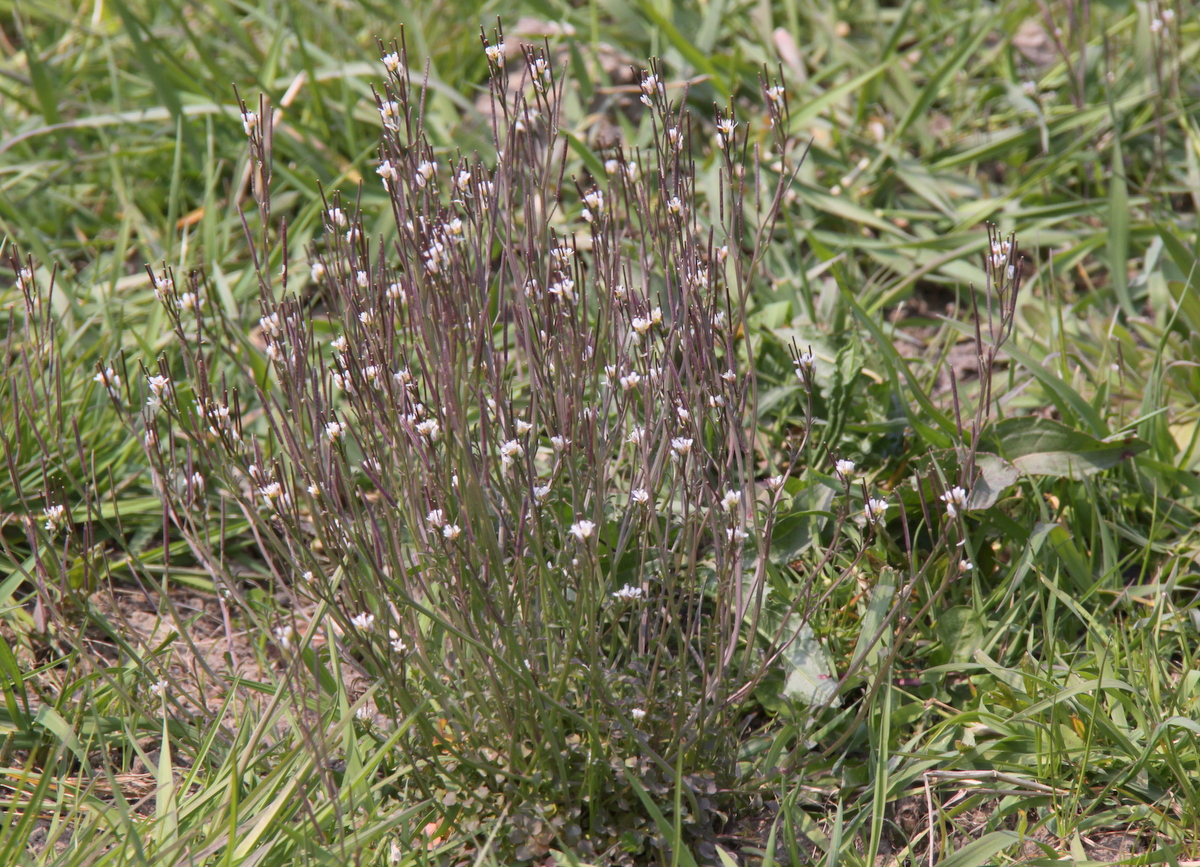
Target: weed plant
(534,531)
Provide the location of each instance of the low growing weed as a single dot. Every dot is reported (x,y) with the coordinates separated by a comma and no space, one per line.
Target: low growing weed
(525,521)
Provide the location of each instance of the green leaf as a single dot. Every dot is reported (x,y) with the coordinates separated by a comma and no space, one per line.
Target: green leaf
(665,829)
(589,159)
(1118,228)
(1042,447)
(961,630)
(810,677)
(983,850)
(920,106)
(996,476)
(687,48)
(867,650)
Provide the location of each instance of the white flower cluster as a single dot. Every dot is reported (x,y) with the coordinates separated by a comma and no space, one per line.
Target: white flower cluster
(955,500)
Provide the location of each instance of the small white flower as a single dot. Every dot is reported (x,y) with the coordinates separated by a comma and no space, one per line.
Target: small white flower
(363,714)
(650,84)
(965,565)
(197,481)
(612,166)
(875,510)
(308,577)
(363,621)
(397,642)
(158,385)
(523,427)
(389,113)
(189,301)
(159,687)
(463,180)
(629,592)
(640,325)
(283,636)
(249,122)
(595,200)
(363,280)
(638,714)
(636,435)
(271,491)
(436,518)
(337,218)
(451,531)
(684,415)
(335,430)
(656,316)
(559,442)
(366,317)
(731,500)
(55,516)
(424,172)
(509,452)
(582,529)
(495,53)
(680,446)
(396,293)
(804,364)
(775,483)
(391,62)
(675,137)
(540,492)
(429,429)
(955,500)
(526,119)
(564,288)
(317,272)
(674,205)
(844,468)
(339,345)
(630,380)
(776,93)
(314,490)
(736,534)
(729,376)
(640,496)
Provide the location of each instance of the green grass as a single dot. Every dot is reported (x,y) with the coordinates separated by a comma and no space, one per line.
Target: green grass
(1044,703)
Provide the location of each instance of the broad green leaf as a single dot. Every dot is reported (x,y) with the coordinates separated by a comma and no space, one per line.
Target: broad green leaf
(810,675)
(996,476)
(1043,447)
(961,630)
(867,650)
